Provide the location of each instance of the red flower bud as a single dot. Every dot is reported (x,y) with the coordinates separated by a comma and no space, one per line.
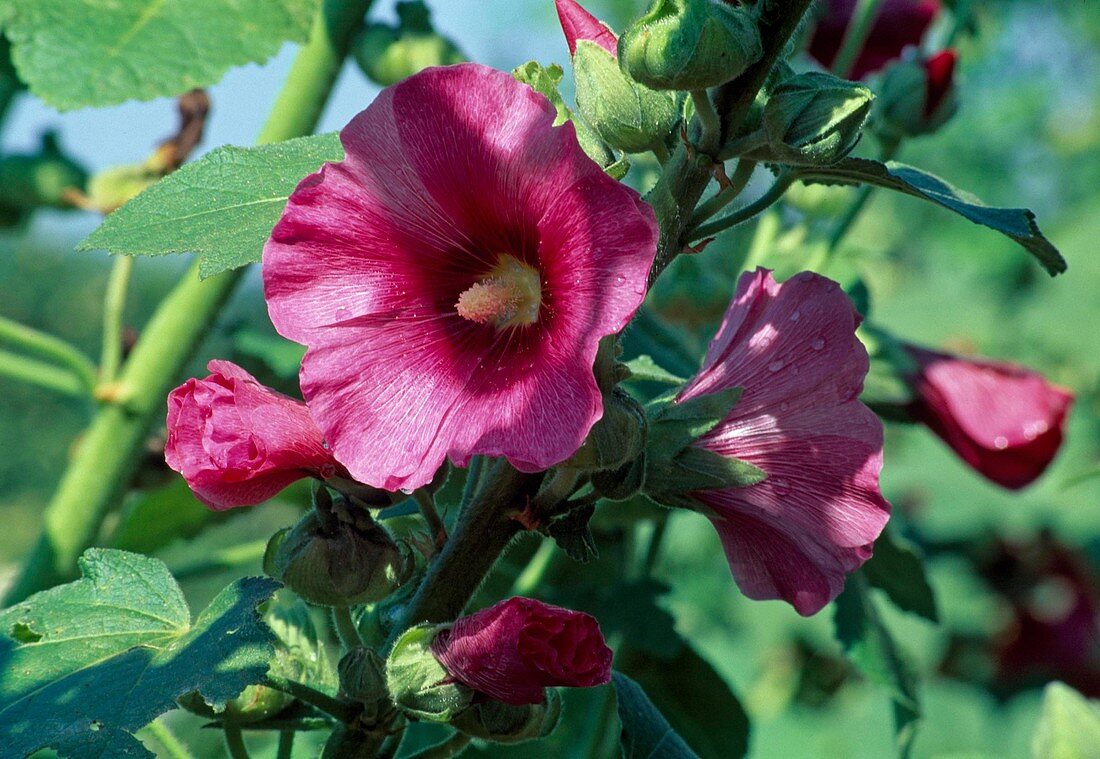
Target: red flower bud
(939,73)
(515,649)
(579,24)
(1004,420)
(238,443)
(899,23)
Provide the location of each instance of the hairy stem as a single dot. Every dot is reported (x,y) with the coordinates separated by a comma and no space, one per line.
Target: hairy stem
(111,448)
(346,628)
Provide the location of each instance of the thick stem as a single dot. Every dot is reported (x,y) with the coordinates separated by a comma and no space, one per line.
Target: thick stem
(234,742)
(346,628)
(341,710)
(114,304)
(710,126)
(48,347)
(98,474)
(483,530)
(286,745)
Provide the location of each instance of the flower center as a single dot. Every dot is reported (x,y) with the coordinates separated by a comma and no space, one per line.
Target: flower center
(509,296)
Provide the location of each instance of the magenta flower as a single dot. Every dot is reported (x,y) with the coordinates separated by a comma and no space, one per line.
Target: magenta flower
(452,278)
(516,648)
(238,443)
(1003,420)
(579,24)
(792,348)
(899,23)
(939,70)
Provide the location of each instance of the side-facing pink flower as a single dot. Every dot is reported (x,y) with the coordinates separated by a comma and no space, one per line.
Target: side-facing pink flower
(939,71)
(579,24)
(237,442)
(452,278)
(899,23)
(515,649)
(792,348)
(1003,420)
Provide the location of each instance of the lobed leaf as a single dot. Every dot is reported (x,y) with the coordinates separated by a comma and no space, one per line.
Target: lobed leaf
(222,206)
(646,734)
(89,663)
(896,568)
(74,53)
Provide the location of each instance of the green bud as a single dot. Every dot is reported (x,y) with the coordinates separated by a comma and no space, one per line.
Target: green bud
(417,682)
(389,54)
(690,44)
(816,118)
(114,186)
(626,115)
(352,743)
(335,562)
(616,439)
(908,103)
(363,679)
(45,178)
(503,723)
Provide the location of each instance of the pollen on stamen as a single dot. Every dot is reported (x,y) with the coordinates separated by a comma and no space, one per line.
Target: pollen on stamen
(492,301)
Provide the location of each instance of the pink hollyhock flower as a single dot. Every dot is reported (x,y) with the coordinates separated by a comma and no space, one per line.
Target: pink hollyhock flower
(899,23)
(238,443)
(452,278)
(939,72)
(579,24)
(792,348)
(515,649)
(1003,420)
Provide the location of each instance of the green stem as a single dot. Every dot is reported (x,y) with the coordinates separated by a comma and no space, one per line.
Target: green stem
(48,376)
(765,201)
(173,747)
(741,176)
(48,347)
(473,478)
(346,628)
(341,710)
(529,579)
(653,550)
(483,530)
(448,748)
(660,152)
(234,741)
(426,502)
(114,304)
(286,745)
(112,447)
(710,127)
(863,18)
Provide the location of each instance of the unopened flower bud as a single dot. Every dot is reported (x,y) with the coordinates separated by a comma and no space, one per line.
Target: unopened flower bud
(504,723)
(363,679)
(690,44)
(626,115)
(918,96)
(514,650)
(816,118)
(337,562)
(418,682)
(616,439)
(44,178)
(389,54)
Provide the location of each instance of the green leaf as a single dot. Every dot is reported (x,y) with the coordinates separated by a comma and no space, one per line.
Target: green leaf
(157,517)
(646,733)
(1069,727)
(897,569)
(222,206)
(572,534)
(869,644)
(75,53)
(645,369)
(695,699)
(88,663)
(1016,223)
(628,608)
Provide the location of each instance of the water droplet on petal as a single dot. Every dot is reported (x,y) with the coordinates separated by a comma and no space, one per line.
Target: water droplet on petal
(818,343)
(1000,442)
(620,280)
(795,316)
(784,406)
(342,313)
(775,366)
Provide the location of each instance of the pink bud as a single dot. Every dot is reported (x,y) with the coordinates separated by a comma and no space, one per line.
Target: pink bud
(579,24)
(1004,420)
(237,442)
(515,649)
(899,23)
(939,78)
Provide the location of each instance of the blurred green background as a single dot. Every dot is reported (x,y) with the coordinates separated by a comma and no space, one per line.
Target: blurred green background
(1028,134)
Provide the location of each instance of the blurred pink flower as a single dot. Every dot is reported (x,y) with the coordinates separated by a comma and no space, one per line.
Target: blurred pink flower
(452,278)
(793,349)
(516,648)
(579,24)
(939,70)
(237,442)
(1003,420)
(899,23)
